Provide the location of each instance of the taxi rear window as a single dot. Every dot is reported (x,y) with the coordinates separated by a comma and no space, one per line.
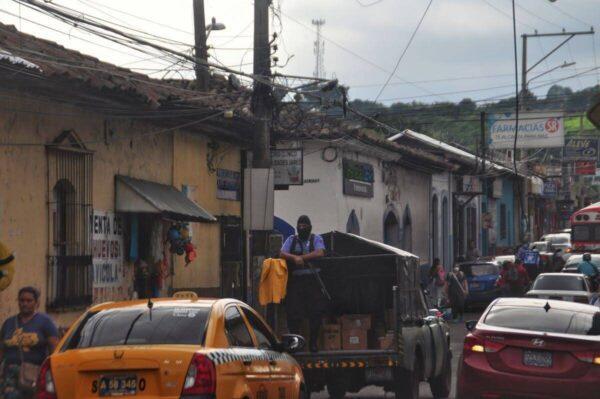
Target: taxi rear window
(159,326)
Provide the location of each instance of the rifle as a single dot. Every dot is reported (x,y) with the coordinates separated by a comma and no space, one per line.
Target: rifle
(319,280)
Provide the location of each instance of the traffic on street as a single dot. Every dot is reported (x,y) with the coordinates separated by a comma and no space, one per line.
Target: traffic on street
(275,199)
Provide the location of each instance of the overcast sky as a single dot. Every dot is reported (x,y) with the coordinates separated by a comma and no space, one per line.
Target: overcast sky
(463,48)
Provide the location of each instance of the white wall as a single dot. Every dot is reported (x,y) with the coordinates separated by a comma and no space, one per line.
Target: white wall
(324,202)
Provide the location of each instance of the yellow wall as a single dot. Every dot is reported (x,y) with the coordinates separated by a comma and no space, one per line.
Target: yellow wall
(191,169)
(24,181)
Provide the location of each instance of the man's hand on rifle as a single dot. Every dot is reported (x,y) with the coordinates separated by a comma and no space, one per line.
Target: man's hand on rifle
(299,261)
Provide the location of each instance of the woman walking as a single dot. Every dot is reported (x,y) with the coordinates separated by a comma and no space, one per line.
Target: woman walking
(26,340)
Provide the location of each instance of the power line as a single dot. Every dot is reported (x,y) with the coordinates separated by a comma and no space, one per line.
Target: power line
(557,8)
(410,40)
(374,2)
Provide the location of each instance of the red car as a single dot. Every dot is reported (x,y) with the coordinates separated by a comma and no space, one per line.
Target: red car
(532,348)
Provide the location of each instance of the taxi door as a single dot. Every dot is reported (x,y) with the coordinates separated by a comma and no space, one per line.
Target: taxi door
(243,359)
(284,382)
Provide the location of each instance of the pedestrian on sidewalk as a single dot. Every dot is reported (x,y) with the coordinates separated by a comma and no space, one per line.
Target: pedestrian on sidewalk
(26,340)
(437,283)
(457,293)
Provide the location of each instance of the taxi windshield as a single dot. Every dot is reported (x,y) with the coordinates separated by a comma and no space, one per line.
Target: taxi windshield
(142,326)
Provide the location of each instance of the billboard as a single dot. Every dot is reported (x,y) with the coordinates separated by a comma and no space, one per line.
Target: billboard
(585,168)
(536,130)
(581,149)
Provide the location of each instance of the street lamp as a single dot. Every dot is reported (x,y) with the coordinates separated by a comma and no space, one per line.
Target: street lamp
(214,25)
(564,65)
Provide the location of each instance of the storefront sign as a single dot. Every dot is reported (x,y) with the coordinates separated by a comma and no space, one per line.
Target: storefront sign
(554,170)
(228,184)
(535,130)
(585,168)
(550,189)
(358,178)
(107,249)
(578,149)
(288,166)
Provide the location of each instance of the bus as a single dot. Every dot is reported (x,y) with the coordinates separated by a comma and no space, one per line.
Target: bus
(585,229)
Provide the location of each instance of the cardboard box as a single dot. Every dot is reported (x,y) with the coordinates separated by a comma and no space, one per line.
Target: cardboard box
(354,339)
(331,337)
(353,321)
(387,342)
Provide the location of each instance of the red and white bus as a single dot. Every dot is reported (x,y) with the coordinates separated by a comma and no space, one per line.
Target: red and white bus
(585,229)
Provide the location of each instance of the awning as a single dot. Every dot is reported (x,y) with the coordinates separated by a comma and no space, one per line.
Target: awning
(143,196)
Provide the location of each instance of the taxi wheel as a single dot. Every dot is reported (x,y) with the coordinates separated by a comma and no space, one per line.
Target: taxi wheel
(336,391)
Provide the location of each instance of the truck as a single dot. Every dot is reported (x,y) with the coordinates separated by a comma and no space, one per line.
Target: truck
(388,335)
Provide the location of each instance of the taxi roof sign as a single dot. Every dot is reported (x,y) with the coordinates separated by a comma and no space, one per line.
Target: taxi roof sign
(191,295)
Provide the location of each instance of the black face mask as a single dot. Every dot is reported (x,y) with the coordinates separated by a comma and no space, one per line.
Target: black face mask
(304,233)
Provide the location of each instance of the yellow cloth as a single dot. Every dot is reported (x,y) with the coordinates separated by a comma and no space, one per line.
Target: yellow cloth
(273,281)
(7,269)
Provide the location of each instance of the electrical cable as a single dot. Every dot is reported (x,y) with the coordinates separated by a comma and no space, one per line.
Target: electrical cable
(557,8)
(410,40)
(374,2)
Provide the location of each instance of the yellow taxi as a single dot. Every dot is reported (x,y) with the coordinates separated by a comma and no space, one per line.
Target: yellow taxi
(181,347)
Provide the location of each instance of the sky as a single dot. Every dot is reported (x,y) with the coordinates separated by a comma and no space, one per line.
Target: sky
(463,48)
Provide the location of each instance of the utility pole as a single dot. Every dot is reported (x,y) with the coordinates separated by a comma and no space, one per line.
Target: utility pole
(525,70)
(202,74)
(261,97)
(319,50)
(483,143)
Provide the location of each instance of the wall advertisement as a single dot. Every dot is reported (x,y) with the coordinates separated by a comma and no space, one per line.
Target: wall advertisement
(536,130)
(107,249)
(288,166)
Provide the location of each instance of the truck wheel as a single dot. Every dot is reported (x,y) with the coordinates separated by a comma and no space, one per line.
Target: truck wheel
(408,385)
(442,384)
(336,390)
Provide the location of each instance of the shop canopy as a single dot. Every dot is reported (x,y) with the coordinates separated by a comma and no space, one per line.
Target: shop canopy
(143,196)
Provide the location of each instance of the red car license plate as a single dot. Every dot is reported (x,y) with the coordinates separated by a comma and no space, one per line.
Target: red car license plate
(537,359)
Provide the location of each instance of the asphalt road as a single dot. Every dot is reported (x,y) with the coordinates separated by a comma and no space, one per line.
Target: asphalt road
(457,336)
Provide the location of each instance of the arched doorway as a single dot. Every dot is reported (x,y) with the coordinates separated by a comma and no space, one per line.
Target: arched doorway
(434,228)
(391,229)
(407,230)
(352,225)
(445,232)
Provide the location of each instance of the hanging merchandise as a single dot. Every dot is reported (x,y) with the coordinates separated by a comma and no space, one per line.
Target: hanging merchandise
(180,242)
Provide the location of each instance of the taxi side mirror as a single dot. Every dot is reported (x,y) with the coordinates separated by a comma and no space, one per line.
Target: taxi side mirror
(292,343)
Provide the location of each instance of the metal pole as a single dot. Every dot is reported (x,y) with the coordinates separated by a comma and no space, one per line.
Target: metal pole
(483,143)
(202,74)
(523,74)
(261,99)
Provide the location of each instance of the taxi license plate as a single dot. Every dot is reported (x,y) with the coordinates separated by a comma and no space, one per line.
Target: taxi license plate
(537,359)
(118,385)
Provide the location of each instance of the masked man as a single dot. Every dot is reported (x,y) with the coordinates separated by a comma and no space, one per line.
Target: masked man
(305,298)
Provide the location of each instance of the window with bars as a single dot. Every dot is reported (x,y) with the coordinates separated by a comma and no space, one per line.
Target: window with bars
(70,269)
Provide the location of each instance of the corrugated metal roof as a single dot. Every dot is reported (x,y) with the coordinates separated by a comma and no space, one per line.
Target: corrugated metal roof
(167,200)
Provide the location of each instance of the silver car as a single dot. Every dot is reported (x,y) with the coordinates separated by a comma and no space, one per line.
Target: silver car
(571,287)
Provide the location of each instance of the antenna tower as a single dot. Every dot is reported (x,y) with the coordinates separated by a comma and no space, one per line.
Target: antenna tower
(319,50)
